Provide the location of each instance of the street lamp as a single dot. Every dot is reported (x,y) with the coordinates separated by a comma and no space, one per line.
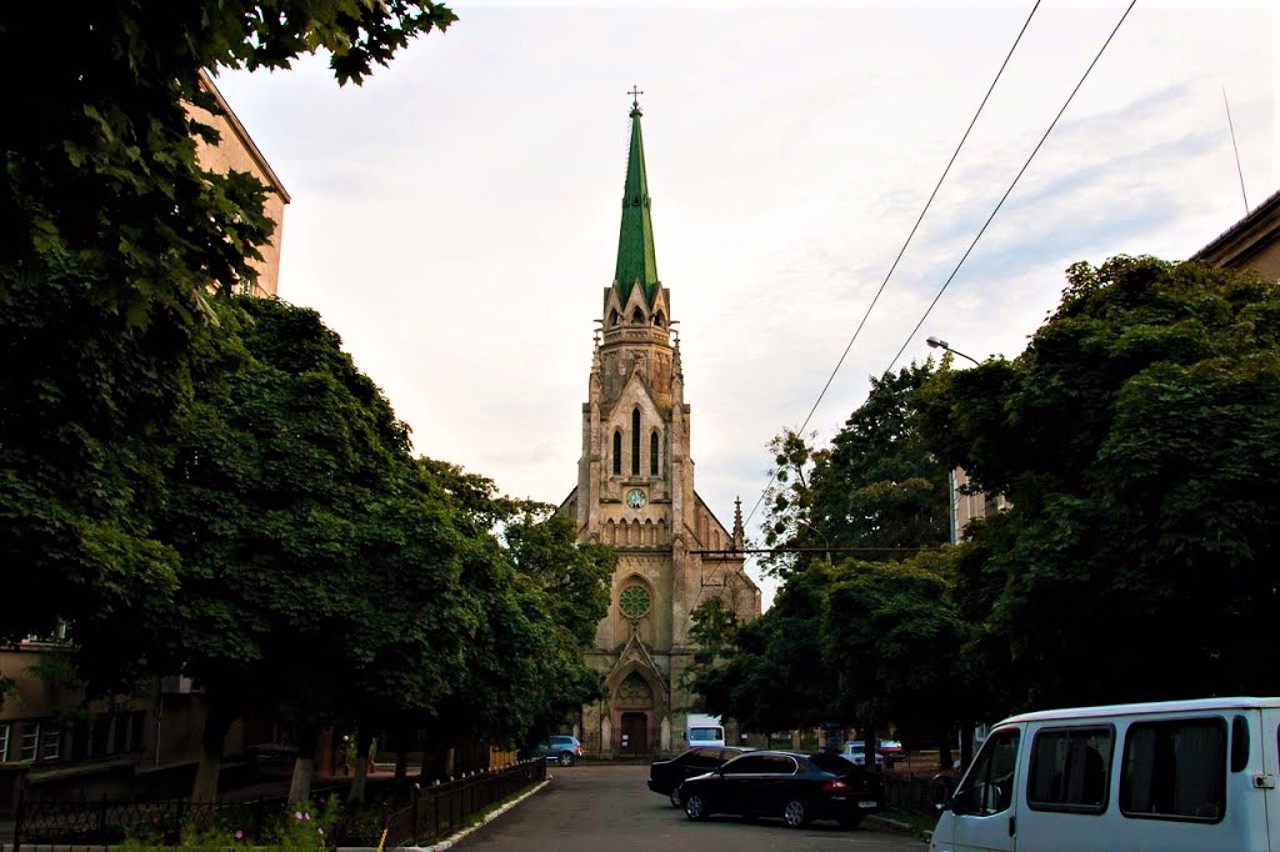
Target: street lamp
(942,344)
(825,540)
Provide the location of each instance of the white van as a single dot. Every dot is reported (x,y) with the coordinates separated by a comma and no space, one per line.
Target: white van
(1165,777)
(703,730)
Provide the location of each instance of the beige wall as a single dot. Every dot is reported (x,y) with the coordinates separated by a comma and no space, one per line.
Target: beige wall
(236,151)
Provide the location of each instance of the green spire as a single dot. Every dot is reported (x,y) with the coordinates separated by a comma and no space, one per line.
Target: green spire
(637,262)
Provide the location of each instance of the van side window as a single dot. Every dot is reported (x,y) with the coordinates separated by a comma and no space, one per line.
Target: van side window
(1071,769)
(1176,770)
(987,788)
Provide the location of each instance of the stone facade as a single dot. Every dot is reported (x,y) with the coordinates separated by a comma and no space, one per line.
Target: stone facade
(636,493)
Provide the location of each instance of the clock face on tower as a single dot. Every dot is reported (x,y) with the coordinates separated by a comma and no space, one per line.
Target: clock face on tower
(636,498)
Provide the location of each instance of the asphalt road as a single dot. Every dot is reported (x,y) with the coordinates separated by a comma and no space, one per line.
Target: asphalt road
(610,809)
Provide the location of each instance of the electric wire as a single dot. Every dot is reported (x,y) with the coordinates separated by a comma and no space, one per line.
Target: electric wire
(906,243)
(1007,192)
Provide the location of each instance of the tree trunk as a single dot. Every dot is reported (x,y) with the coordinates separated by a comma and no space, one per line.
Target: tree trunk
(966,743)
(212,741)
(304,767)
(870,744)
(944,750)
(364,741)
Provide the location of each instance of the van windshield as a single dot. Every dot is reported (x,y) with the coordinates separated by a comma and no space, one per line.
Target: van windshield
(702,735)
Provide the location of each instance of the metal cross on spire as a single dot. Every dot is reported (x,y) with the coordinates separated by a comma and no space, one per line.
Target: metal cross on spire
(635,94)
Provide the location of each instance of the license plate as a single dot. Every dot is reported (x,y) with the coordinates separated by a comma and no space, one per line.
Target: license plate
(868,803)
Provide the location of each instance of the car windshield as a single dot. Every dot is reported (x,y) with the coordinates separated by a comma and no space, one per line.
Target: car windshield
(704,734)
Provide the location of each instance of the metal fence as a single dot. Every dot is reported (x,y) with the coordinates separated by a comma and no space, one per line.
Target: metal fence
(108,821)
(438,810)
(410,814)
(918,794)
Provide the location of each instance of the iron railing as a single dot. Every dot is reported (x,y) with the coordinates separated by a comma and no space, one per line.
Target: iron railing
(412,815)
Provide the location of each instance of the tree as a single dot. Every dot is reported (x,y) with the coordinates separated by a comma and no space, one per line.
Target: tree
(774,678)
(113,236)
(101,173)
(293,507)
(896,639)
(86,432)
(788,501)
(1135,438)
(879,486)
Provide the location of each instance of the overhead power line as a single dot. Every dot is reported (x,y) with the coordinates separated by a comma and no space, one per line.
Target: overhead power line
(1016,178)
(907,242)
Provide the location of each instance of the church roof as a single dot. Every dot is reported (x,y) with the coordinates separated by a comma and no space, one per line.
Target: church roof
(637,262)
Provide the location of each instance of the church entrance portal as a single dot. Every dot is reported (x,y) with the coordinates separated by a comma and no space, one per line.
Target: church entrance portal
(635,733)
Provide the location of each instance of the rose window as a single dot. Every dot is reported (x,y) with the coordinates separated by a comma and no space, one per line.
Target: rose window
(634,601)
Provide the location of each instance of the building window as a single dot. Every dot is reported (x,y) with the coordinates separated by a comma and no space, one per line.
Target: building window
(637,317)
(614,319)
(30,741)
(617,453)
(635,442)
(634,601)
(1071,769)
(51,745)
(4,741)
(1176,770)
(659,320)
(653,454)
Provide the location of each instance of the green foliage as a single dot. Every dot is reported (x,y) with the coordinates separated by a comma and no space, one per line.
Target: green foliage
(896,638)
(774,678)
(86,429)
(1135,438)
(102,172)
(879,486)
(788,499)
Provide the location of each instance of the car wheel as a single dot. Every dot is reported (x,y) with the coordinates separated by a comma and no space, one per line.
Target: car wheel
(849,823)
(695,807)
(566,758)
(795,814)
(676,802)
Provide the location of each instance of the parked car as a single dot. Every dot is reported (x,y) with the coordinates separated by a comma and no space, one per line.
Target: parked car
(666,776)
(855,751)
(562,748)
(796,788)
(890,747)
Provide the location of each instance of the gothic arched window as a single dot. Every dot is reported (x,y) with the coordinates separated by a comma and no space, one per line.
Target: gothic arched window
(653,453)
(637,317)
(617,452)
(635,442)
(614,319)
(658,319)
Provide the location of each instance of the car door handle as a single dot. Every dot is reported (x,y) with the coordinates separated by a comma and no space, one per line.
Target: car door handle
(1013,825)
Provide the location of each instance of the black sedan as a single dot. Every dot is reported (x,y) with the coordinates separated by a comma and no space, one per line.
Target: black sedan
(666,776)
(797,788)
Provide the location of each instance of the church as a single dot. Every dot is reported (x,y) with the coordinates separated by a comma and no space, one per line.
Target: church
(636,494)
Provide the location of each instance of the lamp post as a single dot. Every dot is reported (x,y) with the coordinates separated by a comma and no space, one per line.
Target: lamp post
(825,540)
(937,343)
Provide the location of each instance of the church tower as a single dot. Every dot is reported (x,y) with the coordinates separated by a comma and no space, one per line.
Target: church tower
(636,493)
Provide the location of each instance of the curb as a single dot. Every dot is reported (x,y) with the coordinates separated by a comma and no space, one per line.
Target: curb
(900,827)
(452,840)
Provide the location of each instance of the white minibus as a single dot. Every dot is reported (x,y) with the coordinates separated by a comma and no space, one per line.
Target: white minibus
(1164,777)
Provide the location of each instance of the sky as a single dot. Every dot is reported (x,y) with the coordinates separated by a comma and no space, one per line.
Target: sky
(455,219)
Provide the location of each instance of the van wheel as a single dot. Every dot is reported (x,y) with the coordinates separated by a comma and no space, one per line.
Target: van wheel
(796,814)
(675,798)
(695,807)
(566,758)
